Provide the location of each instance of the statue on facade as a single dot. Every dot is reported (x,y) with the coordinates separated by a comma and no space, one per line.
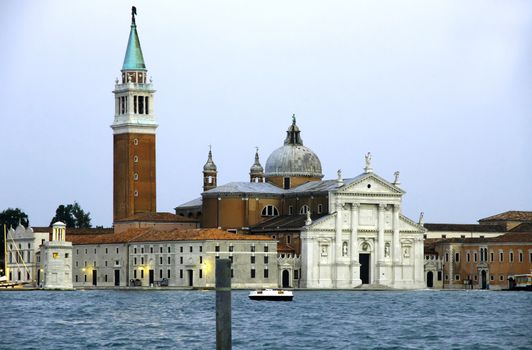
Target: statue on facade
(396,180)
(368,168)
(308,222)
(421,221)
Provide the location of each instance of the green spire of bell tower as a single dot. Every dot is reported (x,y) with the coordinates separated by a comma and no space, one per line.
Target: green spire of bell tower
(133,59)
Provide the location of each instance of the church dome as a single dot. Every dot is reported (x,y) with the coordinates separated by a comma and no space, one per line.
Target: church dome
(293,159)
(209,166)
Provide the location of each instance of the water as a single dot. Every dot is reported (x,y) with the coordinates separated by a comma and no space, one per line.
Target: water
(314,320)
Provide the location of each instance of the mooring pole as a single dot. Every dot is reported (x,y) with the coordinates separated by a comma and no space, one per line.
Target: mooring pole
(223,304)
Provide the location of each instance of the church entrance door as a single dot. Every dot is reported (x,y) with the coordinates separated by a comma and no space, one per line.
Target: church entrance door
(430,279)
(286,279)
(364,268)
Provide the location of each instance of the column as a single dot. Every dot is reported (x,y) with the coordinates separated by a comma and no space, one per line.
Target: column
(355,265)
(337,251)
(396,244)
(380,246)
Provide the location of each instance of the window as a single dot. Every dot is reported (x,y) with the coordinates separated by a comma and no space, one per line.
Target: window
(201,260)
(180,273)
(286,183)
(290,210)
(85,278)
(142,260)
(105,263)
(134,261)
(511,257)
(106,251)
(443,236)
(288,239)
(446,277)
(270,210)
(265,259)
(475,277)
(266,249)
(105,278)
(151,250)
(501,256)
(217,248)
(160,260)
(135,250)
(200,273)
(457,277)
(520,256)
(141,273)
(117,250)
(232,273)
(492,257)
(168,274)
(160,249)
(231,259)
(200,248)
(181,260)
(161,274)
(134,273)
(231,248)
(252,248)
(169,260)
(446,257)
(304,209)
(475,257)
(266,273)
(181,249)
(457,257)
(501,278)
(492,278)
(252,259)
(191,249)
(142,250)
(76,278)
(468,257)
(296,274)
(439,275)
(169,249)
(252,273)
(462,236)
(320,208)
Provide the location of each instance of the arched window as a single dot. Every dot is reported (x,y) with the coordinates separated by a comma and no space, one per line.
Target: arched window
(270,210)
(304,209)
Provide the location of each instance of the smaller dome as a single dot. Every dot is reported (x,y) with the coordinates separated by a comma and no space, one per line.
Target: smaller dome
(209,166)
(256,168)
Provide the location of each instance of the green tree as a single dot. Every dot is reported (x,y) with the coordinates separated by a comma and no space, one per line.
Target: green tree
(11,218)
(72,215)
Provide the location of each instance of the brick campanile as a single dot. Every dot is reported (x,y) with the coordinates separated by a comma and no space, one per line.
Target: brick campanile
(134,126)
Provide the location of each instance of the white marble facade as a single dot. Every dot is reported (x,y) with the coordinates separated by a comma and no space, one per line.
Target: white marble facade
(364,240)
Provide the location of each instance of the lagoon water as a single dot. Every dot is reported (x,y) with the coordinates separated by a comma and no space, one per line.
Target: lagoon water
(314,320)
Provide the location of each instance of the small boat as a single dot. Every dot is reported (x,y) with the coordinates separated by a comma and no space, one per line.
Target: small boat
(271,294)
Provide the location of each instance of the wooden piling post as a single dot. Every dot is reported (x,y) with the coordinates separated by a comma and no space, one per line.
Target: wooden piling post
(223,304)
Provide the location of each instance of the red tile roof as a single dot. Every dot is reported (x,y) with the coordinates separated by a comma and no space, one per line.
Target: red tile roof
(464,228)
(517,237)
(512,215)
(153,235)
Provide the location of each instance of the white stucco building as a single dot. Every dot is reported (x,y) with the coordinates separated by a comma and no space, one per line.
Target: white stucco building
(365,239)
(56,260)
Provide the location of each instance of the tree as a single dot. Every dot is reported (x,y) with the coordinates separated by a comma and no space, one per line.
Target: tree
(72,215)
(11,218)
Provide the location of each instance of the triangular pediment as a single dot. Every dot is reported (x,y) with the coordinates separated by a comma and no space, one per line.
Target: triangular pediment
(371,183)
(408,225)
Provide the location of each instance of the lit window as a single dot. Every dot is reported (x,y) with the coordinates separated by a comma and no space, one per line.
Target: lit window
(270,210)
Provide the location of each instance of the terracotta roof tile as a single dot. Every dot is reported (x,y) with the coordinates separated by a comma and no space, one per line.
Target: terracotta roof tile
(153,235)
(512,215)
(518,237)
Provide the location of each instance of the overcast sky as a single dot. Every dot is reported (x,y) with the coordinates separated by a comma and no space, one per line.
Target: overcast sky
(439,90)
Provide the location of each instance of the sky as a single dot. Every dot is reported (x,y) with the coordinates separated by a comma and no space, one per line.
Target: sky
(439,90)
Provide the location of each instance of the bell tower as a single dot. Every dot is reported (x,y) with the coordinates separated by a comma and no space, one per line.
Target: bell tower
(134,126)
(210,173)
